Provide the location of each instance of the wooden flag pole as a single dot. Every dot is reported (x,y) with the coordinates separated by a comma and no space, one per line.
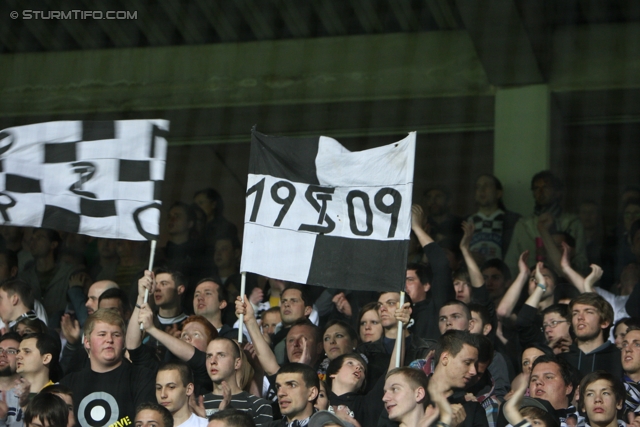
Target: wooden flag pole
(151,257)
(399,333)
(243,285)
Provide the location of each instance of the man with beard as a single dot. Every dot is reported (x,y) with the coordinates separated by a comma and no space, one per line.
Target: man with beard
(9,379)
(591,318)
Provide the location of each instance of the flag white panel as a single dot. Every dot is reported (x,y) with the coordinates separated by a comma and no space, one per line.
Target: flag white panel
(281,254)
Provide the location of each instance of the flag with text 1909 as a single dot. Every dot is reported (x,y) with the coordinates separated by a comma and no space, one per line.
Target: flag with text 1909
(320,214)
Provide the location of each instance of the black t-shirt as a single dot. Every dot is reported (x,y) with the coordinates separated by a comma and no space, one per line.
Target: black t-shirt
(103,399)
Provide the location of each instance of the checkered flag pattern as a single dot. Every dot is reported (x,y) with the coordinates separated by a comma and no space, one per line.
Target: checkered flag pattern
(320,214)
(101,178)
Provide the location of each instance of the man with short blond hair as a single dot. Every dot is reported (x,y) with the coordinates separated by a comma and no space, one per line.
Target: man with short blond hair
(109,390)
(174,388)
(151,414)
(223,360)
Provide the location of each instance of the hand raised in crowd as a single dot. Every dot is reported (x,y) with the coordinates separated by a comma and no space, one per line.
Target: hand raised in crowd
(305,358)
(80,279)
(560,344)
(417,217)
(431,414)
(516,383)
(403,314)
(512,406)
(256,296)
(146,282)
(539,276)
(545,221)
(448,413)
(226,395)
(196,404)
(565,260)
(523,265)
(4,408)
(244,308)
(342,304)
(420,226)
(173,330)
(458,415)
(70,329)
(593,277)
(252,356)
(468,228)
(634,420)
(145,317)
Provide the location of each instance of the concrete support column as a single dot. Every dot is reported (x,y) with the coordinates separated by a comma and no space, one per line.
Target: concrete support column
(521,141)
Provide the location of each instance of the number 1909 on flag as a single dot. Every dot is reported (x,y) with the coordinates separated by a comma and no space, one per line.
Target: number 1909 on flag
(367,212)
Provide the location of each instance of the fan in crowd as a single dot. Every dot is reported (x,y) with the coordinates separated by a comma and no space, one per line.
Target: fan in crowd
(557,346)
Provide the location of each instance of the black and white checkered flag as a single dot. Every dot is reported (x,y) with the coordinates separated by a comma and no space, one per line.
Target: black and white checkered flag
(96,178)
(322,215)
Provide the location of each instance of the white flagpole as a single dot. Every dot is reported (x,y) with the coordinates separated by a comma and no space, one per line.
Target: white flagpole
(243,286)
(399,333)
(151,257)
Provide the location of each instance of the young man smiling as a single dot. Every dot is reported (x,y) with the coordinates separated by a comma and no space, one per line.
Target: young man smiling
(456,356)
(405,395)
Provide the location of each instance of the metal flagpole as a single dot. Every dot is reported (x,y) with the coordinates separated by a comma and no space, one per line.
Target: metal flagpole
(151,257)
(399,333)
(243,285)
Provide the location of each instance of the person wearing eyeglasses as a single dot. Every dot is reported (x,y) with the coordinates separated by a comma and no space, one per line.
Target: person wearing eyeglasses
(551,326)
(9,379)
(631,366)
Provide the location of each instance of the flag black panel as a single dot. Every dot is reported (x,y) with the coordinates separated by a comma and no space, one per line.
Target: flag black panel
(60,219)
(355,264)
(157,190)
(97,208)
(293,159)
(21,184)
(60,153)
(98,130)
(134,171)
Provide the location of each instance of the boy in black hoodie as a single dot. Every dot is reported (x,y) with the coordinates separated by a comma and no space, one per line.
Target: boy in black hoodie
(591,319)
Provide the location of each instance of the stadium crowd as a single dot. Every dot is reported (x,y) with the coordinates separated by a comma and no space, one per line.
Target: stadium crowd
(509,320)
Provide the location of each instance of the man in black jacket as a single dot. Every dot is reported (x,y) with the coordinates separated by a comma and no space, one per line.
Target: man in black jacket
(440,287)
(591,318)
